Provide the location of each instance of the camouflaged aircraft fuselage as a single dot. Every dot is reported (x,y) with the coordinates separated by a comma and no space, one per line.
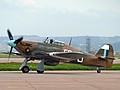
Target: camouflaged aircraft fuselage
(39,50)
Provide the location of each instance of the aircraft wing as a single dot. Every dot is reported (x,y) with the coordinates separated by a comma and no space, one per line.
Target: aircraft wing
(68,56)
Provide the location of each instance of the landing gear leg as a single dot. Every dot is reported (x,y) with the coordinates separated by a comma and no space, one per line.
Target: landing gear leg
(98,70)
(23,67)
(40,68)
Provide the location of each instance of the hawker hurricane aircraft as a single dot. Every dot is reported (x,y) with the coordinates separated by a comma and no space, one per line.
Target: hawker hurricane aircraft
(52,52)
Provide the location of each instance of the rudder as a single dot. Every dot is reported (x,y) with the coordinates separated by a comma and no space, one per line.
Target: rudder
(105,51)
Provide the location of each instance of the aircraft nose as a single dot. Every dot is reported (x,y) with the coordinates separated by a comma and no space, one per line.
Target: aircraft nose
(11,43)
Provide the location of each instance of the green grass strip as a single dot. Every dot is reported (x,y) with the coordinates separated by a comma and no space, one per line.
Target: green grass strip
(33,66)
(4,55)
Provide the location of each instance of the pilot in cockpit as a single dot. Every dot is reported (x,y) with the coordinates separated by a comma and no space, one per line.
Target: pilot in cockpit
(51,41)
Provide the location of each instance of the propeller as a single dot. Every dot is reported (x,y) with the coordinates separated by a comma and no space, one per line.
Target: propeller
(18,40)
(10,52)
(12,42)
(9,35)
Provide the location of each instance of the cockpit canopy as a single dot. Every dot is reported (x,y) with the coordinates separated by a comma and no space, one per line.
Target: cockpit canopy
(55,42)
(59,42)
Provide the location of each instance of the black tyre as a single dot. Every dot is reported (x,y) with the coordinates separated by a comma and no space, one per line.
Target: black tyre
(25,69)
(40,72)
(98,71)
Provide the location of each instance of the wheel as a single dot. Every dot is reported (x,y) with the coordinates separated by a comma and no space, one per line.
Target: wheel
(25,69)
(98,71)
(40,72)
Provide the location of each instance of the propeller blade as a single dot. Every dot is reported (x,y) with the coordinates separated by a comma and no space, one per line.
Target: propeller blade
(9,35)
(10,52)
(18,40)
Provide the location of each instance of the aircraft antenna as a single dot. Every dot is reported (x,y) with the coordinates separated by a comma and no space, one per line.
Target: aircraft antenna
(70,41)
(46,40)
(88,44)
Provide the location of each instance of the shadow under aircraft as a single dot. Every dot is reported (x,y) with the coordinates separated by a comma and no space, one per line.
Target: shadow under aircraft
(52,52)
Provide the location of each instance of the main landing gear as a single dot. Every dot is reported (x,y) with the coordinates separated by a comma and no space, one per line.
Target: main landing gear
(40,72)
(25,69)
(40,68)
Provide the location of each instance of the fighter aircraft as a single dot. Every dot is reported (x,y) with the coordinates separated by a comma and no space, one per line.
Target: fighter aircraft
(52,52)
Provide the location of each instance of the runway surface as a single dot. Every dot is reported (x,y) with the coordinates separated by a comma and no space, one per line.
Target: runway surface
(60,80)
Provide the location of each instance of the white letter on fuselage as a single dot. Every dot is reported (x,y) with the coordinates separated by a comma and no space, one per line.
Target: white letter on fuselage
(80,60)
(66,50)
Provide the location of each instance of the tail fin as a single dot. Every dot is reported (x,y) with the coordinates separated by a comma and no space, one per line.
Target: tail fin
(106,52)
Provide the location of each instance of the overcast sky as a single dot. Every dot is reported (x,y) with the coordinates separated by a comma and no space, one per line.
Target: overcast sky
(60,17)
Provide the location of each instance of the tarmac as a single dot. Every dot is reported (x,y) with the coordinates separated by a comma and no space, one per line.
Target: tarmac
(60,80)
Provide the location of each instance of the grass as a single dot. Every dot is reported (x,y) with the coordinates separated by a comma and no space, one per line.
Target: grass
(118,56)
(5,55)
(67,67)
(15,67)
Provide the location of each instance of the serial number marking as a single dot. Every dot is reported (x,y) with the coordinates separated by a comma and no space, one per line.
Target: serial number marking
(66,50)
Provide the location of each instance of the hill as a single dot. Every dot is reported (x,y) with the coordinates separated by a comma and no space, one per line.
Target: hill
(77,41)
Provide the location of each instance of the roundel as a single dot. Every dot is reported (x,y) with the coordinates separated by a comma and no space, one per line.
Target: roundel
(27,50)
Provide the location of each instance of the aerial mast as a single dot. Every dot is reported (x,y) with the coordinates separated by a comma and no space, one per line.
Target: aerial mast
(88,44)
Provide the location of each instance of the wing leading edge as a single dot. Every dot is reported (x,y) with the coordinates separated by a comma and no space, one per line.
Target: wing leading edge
(68,56)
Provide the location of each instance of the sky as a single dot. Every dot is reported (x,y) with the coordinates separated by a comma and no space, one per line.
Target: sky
(60,17)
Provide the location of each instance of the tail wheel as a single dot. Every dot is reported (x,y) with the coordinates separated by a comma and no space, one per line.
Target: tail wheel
(25,69)
(99,71)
